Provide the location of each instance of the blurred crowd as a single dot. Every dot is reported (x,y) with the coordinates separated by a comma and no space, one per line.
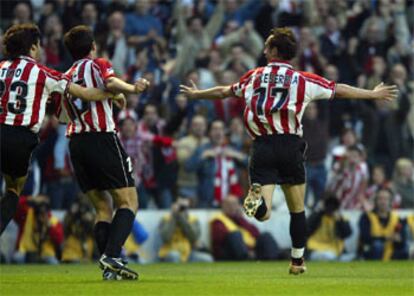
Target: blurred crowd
(197,151)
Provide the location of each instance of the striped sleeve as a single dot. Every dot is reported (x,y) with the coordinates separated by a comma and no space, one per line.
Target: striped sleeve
(105,67)
(55,81)
(318,88)
(237,88)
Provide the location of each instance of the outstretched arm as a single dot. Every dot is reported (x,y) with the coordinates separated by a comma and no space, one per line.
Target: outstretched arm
(92,94)
(115,84)
(214,93)
(380,92)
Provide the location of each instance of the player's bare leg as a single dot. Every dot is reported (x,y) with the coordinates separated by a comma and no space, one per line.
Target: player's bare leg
(258,202)
(126,202)
(102,202)
(10,200)
(295,199)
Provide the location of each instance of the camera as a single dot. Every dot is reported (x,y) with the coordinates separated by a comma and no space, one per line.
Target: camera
(182,208)
(40,206)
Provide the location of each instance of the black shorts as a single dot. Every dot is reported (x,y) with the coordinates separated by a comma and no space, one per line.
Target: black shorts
(278,159)
(100,162)
(16,145)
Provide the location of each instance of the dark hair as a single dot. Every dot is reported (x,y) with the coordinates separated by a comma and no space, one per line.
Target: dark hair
(356,148)
(94,3)
(346,130)
(386,189)
(79,41)
(331,203)
(284,40)
(19,39)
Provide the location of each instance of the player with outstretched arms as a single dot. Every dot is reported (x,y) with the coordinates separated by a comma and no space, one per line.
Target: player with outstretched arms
(102,167)
(25,87)
(276,96)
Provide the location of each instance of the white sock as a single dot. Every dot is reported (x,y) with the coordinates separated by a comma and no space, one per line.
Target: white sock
(297,253)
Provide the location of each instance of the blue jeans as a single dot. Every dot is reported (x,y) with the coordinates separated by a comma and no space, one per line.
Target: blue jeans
(62,192)
(376,251)
(162,196)
(316,181)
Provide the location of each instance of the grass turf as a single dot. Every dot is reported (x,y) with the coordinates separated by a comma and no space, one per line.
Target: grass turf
(253,279)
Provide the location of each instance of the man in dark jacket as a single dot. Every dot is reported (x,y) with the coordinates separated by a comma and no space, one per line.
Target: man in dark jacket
(327,231)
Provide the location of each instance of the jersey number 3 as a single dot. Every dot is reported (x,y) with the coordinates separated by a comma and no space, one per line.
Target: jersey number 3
(17,102)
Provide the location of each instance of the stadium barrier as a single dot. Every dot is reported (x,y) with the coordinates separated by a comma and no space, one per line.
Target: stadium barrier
(278,226)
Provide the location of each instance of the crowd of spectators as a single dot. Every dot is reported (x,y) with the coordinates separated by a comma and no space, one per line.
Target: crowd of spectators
(197,150)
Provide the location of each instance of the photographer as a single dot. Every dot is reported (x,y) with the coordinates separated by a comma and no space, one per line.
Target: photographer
(327,231)
(40,233)
(180,232)
(234,238)
(382,234)
(78,226)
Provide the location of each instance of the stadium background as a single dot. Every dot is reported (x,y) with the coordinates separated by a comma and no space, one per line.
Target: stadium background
(214,42)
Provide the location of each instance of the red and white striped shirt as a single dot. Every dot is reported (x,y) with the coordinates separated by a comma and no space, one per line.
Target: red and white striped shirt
(347,185)
(225,181)
(276,96)
(85,116)
(25,87)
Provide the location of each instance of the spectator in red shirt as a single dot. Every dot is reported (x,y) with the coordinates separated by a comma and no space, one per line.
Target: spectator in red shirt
(139,144)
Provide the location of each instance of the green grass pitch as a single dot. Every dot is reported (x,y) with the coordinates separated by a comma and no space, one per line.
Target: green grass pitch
(252,278)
